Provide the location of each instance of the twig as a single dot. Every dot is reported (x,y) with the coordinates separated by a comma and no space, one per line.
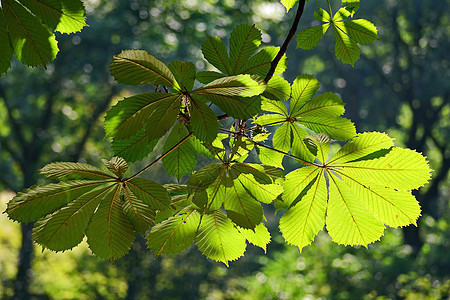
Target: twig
(283,49)
(162,156)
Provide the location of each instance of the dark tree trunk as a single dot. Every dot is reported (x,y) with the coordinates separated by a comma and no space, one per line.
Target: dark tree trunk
(24,272)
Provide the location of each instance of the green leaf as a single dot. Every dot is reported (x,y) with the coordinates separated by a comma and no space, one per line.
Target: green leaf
(322,114)
(296,182)
(270,157)
(341,14)
(240,85)
(361,31)
(62,16)
(69,171)
(278,89)
(299,148)
(240,148)
(215,53)
(39,201)
(241,207)
(392,207)
(402,169)
(364,191)
(303,89)
(289,4)
(136,67)
(184,73)
(5,46)
(34,44)
(303,221)
(282,139)
(236,107)
(204,177)
(322,15)
(151,193)
(218,238)
(275,106)
(127,117)
(110,234)
(175,234)
(260,236)
(260,63)
(206,77)
(212,197)
(362,145)
(140,215)
(348,221)
(203,120)
(244,41)
(163,117)
(65,228)
(309,38)
(117,165)
(134,148)
(183,159)
(345,48)
(265,193)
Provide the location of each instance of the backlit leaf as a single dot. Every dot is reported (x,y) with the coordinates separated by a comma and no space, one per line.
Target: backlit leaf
(110,234)
(138,67)
(175,234)
(244,41)
(218,239)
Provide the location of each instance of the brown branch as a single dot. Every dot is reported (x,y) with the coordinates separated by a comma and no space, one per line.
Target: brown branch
(283,49)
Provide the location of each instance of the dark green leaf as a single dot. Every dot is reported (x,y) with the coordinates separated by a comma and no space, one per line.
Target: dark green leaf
(138,67)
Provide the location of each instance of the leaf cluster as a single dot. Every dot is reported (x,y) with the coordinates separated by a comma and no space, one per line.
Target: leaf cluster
(26,29)
(353,193)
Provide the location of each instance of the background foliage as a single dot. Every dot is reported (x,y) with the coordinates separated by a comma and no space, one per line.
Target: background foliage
(410,108)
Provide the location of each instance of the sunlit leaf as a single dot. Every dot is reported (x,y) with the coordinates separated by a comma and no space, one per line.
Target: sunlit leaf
(218,239)
(175,234)
(244,41)
(110,234)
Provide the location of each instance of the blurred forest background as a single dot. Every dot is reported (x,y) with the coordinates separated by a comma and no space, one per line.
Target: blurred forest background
(400,85)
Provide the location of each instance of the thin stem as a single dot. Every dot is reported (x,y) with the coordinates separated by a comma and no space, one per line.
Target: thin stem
(287,154)
(283,49)
(162,156)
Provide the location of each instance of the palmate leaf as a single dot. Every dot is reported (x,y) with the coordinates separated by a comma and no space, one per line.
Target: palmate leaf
(26,29)
(65,228)
(106,207)
(347,34)
(321,113)
(364,194)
